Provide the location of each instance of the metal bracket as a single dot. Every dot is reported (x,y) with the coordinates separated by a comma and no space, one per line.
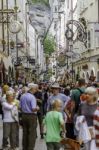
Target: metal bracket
(81,31)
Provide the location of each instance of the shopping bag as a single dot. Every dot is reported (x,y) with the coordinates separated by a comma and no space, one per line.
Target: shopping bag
(93,145)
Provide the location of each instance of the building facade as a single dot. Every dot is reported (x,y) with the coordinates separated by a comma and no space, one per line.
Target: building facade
(87,65)
(17,51)
(57,30)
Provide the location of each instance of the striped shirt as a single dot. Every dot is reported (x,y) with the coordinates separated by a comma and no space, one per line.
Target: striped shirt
(96,125)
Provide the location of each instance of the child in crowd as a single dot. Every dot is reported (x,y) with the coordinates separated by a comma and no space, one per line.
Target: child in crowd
(54,124)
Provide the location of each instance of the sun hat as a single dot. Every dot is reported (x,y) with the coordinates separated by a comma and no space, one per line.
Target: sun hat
(55,85)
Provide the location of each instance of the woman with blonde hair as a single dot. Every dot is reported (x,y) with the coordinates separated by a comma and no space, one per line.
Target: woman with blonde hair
(10,120)
(87,109)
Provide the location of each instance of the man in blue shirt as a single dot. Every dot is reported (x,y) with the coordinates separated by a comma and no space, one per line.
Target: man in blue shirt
(56,95)
(29,108)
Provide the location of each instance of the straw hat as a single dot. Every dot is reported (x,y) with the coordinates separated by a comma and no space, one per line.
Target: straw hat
(55,85)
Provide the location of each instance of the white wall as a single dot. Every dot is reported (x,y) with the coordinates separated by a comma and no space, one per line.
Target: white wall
(32,41)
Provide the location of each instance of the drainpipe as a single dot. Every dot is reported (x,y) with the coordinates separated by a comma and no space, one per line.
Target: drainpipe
(7,28)
(15,3)
(71,46)
(3,27)
(98,11)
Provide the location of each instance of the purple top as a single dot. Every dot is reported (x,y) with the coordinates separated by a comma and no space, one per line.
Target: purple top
(27,103)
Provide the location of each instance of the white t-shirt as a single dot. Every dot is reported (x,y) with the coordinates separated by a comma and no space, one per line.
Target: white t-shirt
(7,112)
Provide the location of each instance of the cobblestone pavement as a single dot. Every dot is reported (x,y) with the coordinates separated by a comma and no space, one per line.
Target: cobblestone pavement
(40,144)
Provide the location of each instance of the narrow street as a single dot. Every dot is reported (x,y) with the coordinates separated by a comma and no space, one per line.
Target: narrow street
(40,144)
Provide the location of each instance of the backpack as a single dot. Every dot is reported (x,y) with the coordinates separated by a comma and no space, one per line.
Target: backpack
(79,102)
(82,95)
(81,92)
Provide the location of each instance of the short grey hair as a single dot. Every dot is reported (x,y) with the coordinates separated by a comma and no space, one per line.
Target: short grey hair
(32,85)
(93,91)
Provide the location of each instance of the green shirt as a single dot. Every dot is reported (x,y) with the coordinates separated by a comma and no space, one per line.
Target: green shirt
(52,122)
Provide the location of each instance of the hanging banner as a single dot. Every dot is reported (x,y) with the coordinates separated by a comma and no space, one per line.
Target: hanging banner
(96,29)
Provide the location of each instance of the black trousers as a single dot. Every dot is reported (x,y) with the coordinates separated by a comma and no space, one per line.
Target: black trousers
(29,122)
(70,130)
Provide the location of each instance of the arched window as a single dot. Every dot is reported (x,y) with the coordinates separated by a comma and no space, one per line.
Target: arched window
(83,75)
(92,73)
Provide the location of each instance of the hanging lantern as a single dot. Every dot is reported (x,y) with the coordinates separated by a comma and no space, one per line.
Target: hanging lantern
(3,42)
(15,27)
(12,44)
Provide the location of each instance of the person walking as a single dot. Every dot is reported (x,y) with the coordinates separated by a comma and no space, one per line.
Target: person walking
(87,109)
(10,121)
(38,96)
(54,124)
(96,126)
(56,95)
(76,93)
(29,108)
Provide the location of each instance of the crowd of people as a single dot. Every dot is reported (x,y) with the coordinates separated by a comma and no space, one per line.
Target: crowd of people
(70,112)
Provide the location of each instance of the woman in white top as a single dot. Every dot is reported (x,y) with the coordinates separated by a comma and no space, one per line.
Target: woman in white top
(10,120)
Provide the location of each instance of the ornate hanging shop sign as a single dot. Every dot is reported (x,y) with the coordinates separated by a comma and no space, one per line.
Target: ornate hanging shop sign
(61,59)
(15,27)
(80,28)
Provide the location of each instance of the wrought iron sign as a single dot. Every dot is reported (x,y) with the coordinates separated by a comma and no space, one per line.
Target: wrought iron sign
(8,21)
(14,27)
(81,30)
(19,60)
(29,59)
(5,15)
(61,60)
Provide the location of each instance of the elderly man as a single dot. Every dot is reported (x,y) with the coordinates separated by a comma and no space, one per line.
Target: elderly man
(29,110)
(56,95)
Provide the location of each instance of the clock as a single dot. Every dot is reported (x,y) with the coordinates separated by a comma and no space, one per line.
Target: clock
(14,27)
